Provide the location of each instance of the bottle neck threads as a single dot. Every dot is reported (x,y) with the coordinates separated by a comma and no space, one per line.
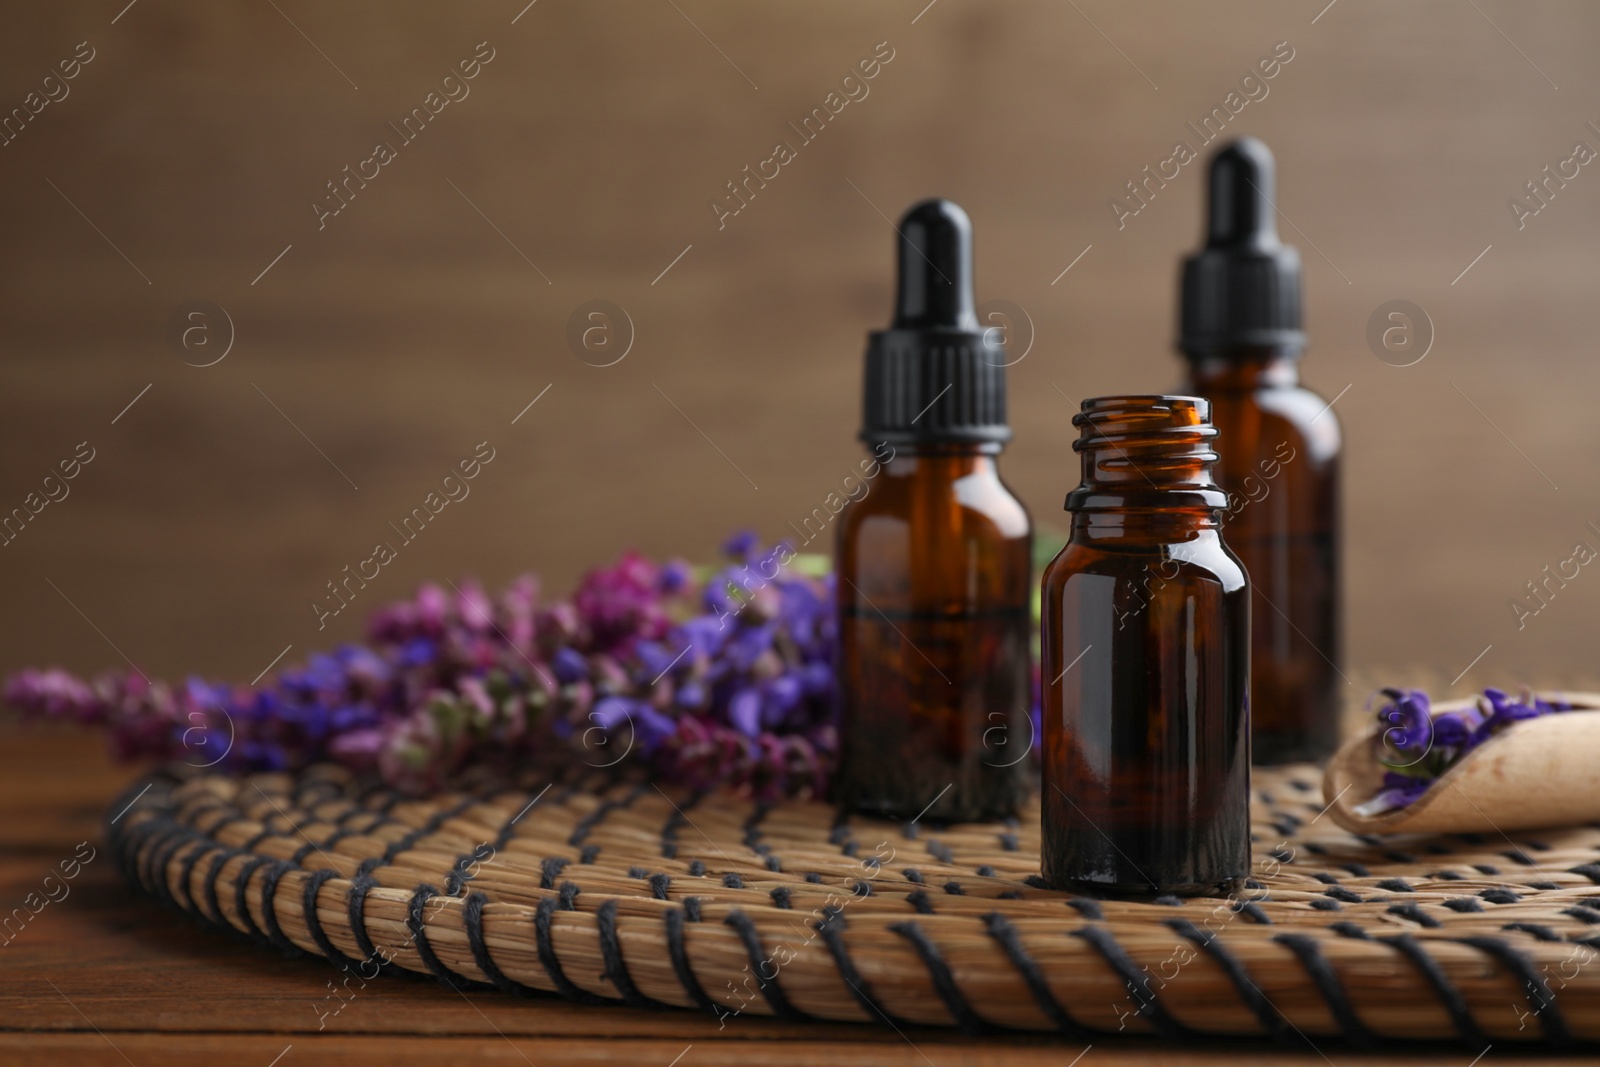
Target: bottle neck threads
(1146,453)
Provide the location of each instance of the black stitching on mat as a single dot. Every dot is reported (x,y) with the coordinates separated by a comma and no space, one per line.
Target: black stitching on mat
(432,826)
(455,883)
(1534,987)
(213,874)
(673,921)
(503,838)
(548,960)
(159,854)
(241,883)
(585,825)
(427,829)
(472,919)
(1415,913)
(1538,930)
(192,814)
(967,1020)
(356,906)
(269,907)
(1088,907)
(1133,979)
(256,839)
(1590,871)
(752,829)
(1252,911)
(378,819)
(1455,1005)
(417,924)
(131,840)
(308,907)
(1326,979)
(230,815)
(303,851)
(549,869)
(779,1002)
(1005,935)
(186,877)
(611,951)
(154,833)
(831,927)
(1244,987)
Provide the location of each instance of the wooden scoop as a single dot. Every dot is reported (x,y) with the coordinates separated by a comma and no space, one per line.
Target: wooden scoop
(1535,773)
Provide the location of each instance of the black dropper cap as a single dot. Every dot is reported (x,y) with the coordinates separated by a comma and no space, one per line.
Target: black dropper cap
(934,376)
(1242,291)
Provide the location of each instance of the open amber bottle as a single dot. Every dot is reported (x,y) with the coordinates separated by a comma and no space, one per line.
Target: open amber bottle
(933,562)
(1146,655)
(1240,328)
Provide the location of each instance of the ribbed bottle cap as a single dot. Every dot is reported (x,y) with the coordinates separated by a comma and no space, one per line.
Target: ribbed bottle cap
(935,377)
(1242,290)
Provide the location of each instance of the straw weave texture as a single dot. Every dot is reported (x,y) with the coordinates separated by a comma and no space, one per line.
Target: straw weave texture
(607,890)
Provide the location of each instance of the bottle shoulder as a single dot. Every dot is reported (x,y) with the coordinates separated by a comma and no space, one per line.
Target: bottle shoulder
(981,500)
(1280,418)
(1206,558)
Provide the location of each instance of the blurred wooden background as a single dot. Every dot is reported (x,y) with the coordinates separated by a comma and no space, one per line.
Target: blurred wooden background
(378,351)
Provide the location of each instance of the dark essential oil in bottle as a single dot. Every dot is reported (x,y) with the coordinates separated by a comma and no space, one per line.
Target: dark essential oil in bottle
(933,560)
(1146,641)
(1240,329)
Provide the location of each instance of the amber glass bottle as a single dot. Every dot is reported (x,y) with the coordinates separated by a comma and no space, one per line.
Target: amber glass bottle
(1146,641)
(933,563)
(1240,329)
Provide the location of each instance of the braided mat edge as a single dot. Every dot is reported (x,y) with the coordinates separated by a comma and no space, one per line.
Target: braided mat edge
(620,892)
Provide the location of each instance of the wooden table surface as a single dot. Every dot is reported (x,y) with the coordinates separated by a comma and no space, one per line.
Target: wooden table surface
(101,976)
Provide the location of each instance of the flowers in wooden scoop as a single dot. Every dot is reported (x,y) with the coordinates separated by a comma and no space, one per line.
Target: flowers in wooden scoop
(1418,745)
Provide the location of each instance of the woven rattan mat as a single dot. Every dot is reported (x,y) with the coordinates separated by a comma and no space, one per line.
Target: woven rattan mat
(622,892)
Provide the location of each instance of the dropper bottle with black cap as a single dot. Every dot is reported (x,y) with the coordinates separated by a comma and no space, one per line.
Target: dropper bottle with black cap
(1240,327)
(933,558)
